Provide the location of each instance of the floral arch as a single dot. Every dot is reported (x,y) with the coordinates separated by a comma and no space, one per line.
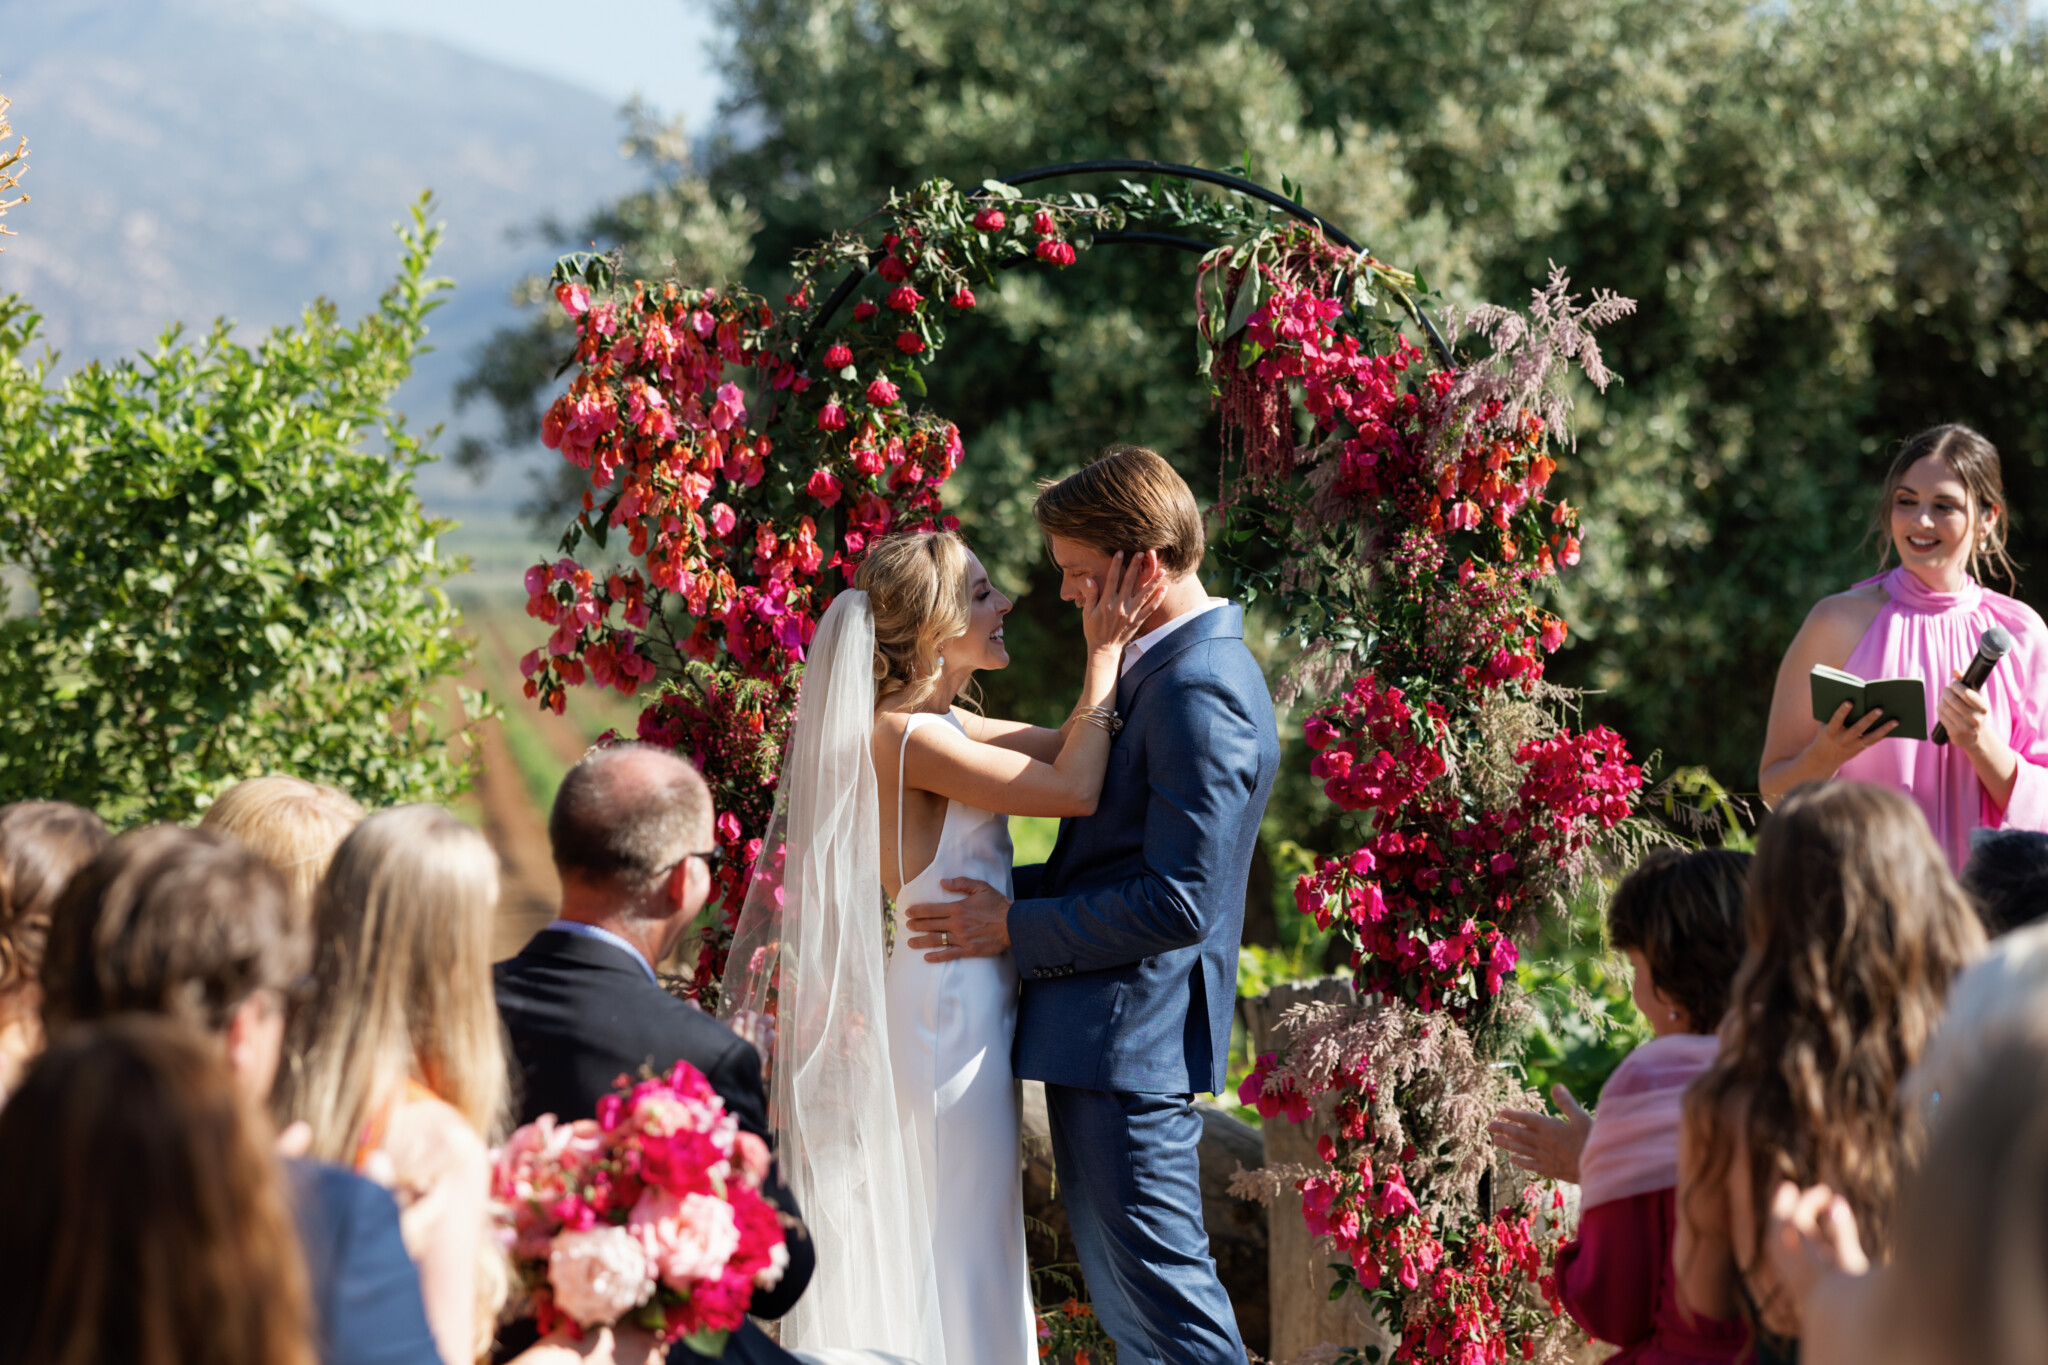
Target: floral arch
(1389,502)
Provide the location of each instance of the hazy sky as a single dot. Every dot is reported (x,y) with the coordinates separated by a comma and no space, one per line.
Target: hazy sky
(654,48)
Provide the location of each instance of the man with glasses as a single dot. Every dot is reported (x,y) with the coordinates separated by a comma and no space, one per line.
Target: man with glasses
(631,832)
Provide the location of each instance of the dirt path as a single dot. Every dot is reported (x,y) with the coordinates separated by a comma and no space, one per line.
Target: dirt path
(529,890)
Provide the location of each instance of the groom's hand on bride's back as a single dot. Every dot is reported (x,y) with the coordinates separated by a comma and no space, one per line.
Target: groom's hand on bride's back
(976,926)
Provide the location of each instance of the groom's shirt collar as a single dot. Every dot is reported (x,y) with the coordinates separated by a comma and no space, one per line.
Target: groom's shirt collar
(582,930)
(1135,650)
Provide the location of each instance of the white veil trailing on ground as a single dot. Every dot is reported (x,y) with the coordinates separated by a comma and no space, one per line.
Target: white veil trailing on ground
(811,951)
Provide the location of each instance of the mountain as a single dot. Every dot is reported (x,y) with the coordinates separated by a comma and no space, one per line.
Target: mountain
(198,158)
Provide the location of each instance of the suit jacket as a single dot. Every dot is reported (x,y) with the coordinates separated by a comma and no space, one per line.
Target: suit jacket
(1127,937)
(580,1013)
(366,1293)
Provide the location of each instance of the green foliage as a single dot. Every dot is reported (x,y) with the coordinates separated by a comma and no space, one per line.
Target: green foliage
(1583,1015)
(226,580)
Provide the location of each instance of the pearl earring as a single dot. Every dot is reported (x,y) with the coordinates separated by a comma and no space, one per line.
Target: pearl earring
(942,661)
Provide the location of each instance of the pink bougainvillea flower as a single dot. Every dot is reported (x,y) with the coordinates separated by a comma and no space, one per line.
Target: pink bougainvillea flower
(824,485)
(574,298)
(989,220)
(838,357)
(910,343)
(882,393)
(722,519)
(730,409)
(831,417)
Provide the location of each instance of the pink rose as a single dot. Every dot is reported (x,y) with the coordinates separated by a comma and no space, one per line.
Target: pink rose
(989,220)
(824,486)
(910,343)
(574,298)
(882,393)
(904,298)
(963,297)
(685,1239)
(1056,252)
(831,417)
(838,357)
(599,1276)
(1042,223)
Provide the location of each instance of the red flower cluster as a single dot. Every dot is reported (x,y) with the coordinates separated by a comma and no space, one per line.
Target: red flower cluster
(1372,751)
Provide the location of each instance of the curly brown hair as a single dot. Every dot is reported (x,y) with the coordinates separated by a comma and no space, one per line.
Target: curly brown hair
(42,844)
(1855,930)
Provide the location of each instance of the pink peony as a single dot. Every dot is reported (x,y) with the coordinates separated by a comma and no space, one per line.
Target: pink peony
(882,393)
(599,1276)
(838,357)
(685,1239)
(989,220)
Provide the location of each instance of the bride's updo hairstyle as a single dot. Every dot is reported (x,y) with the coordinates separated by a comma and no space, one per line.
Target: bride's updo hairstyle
(916,582)
(1974,462)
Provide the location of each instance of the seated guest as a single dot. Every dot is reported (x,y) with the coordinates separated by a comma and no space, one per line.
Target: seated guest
(395,1059)
(1678,916)
(190,924)
(1968,1283)
(2007,878)
(632,838)
(296,825)
(41,844)
(1855,930)
(147,1219)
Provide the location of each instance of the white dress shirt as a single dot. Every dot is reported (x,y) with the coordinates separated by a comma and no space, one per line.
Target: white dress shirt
(1136,648)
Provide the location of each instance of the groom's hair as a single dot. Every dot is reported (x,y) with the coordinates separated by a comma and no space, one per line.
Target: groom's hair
(1128,499)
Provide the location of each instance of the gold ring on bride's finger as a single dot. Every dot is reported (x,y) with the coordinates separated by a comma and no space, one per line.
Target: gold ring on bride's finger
(945,939)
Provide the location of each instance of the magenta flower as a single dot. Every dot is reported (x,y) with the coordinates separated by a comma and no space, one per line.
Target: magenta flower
(831,417)
(882,393)
(904,298)
(574,298)
(838,357)
(910,343)
(989,220)
(824,485)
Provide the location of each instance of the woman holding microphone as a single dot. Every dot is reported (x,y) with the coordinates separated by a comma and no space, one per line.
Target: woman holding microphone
(1943,514)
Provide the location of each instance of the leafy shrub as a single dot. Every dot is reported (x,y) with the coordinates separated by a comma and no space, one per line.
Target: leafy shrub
(226,579)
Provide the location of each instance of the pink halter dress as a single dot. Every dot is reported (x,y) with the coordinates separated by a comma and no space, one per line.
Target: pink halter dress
(1928,635)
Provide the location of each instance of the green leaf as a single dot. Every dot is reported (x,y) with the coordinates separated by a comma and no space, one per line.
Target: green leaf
(1249,290)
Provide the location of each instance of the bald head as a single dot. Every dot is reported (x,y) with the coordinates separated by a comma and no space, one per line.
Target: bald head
(625,815)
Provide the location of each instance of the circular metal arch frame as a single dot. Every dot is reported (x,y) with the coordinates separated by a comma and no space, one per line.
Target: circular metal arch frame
(1139,237)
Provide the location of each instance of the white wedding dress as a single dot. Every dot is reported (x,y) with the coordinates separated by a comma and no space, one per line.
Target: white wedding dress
(950,1026)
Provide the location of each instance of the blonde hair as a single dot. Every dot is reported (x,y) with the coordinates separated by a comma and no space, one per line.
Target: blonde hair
(916,582)
(1128,499)
(401,980)
(293,824)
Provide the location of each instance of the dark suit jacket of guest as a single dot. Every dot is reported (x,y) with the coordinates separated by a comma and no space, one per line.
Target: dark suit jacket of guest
(365,1291)
(580,1013)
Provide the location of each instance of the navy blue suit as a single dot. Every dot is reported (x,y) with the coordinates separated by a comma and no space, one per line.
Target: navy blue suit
(1126,940)
(366,1293)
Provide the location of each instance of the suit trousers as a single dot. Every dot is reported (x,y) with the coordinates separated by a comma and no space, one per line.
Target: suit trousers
(1129,1168)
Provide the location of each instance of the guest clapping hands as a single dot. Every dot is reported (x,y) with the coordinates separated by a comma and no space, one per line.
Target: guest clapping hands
(1679,917)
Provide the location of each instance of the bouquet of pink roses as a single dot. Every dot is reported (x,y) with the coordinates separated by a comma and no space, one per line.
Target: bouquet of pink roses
(649,1214)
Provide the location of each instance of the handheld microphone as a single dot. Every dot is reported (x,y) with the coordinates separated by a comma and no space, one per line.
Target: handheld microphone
(1990,650)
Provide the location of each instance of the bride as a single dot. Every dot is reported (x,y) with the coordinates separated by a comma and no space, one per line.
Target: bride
(893,1102)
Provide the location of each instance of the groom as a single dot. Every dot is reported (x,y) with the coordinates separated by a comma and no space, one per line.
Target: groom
(1127,937)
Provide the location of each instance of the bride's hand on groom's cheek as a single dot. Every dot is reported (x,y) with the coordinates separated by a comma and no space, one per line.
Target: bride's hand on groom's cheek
(976,926)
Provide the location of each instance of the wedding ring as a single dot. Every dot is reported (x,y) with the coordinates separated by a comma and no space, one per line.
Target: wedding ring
(945,939)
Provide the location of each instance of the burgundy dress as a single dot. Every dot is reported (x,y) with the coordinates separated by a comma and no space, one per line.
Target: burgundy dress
(1617,1282)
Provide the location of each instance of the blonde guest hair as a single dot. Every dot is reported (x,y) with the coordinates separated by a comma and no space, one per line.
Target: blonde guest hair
(293,824)
(401,981)
(916,582)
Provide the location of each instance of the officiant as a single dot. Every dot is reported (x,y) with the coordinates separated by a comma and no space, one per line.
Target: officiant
(1925,618)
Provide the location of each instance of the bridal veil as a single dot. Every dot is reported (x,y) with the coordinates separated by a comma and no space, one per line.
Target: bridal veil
(810,952)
